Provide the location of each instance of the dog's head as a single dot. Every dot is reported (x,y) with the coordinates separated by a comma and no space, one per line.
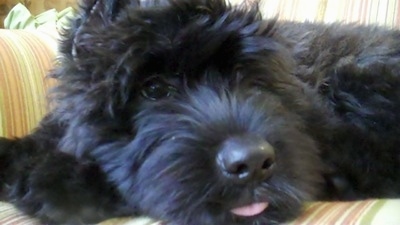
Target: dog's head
(190,108)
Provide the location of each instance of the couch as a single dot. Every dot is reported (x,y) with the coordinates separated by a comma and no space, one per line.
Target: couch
(25,58)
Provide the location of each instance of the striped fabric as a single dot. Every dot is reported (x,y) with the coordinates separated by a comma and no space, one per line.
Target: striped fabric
(10,216)
(369,212)
(25,57)
(383,12)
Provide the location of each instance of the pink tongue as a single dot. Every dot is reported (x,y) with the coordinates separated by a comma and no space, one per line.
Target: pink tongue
(250,210)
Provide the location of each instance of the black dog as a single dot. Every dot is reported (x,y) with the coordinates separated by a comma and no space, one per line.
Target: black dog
(195,112)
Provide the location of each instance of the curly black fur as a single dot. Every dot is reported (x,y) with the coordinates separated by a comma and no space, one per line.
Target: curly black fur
(149,91)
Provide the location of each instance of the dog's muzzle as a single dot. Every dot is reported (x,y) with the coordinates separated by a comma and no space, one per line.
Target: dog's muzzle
(243,160)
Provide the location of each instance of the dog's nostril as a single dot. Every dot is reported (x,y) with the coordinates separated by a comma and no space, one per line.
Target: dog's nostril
(247,158)
(237,169)
(267,164)
(242,169)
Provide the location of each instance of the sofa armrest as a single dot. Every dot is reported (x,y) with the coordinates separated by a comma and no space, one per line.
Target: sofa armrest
(26,56)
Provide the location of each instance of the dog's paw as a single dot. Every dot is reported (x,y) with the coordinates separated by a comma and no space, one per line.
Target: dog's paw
(59,189)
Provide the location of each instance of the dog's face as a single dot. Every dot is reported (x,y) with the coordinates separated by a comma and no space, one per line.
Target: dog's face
(190,108)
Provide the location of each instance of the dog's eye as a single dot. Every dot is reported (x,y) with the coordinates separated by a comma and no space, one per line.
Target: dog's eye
(156,88)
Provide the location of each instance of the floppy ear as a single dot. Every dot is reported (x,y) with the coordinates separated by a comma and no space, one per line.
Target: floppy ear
(102,10)
(93,14)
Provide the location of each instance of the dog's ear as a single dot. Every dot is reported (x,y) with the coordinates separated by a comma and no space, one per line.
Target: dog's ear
(103,10)
(94,14)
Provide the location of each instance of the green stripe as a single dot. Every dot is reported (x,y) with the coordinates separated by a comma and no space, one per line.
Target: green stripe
(372,212)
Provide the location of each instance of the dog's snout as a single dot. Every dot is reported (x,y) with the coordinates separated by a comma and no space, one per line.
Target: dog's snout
(246,159)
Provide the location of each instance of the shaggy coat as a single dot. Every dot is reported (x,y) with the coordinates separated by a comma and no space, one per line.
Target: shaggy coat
(150,92)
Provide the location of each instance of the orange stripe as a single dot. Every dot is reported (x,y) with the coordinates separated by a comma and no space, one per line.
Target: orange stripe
(335,212)
(354,215)
(311,213)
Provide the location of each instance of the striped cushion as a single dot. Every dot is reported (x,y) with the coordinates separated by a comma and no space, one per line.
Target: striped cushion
(380,12)
(10,216)
(370,212)
(26,56)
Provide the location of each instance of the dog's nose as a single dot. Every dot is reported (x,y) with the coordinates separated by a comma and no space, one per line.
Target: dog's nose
(246,158)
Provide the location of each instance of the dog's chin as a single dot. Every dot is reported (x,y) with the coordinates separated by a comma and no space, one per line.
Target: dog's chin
(229,212)
(262,212)
(254,213)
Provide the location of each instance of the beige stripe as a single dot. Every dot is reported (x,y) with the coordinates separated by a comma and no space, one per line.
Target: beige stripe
(321,10)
